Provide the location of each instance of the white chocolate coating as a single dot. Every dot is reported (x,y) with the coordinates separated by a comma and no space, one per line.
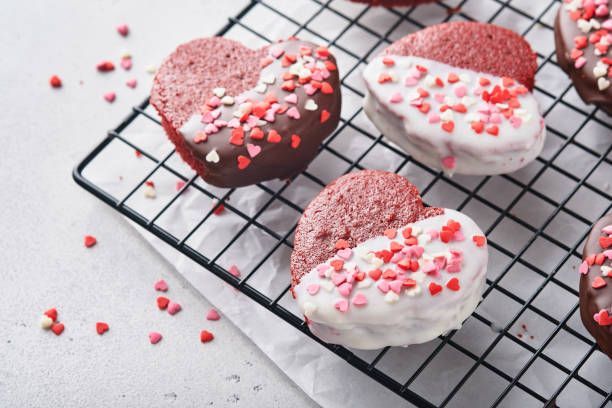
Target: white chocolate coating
(519,140)
(396,318)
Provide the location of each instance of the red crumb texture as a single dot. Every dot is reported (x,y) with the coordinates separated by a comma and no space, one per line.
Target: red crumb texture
(356,207)
(393,3)
(477,46)
(186,78)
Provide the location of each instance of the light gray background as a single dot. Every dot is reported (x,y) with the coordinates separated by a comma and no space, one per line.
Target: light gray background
(45,215)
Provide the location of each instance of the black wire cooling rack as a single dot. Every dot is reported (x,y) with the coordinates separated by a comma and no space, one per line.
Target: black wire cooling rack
(568,149)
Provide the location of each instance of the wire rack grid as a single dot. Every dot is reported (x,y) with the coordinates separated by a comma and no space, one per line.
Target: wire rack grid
(582,162)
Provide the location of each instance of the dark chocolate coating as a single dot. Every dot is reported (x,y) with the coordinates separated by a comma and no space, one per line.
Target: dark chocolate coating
(583,79)
(593,300)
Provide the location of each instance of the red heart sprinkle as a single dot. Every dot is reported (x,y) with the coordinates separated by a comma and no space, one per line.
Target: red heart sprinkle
(446,235)
(162,302)
(90,241)
(407,233)
(200,137)
(375,274)
(600,258)
(384,255)
(337,264)
(389,274)
(55,81)
(434,288)
(270,98)
(384,77)
(273,136)
(484,81)
(257,134)
(330,66)
(326,88)
(206,336)
(493,130)
(604,318)
(414,265)
(598,282)
(324,116)
(452,78)
(410,241)
(453,225)
(409,283)
(57,328)
(101,327)
(507,82)
(395,247)
(388,61)
(295,141)
(478,127)
(243,162)
(479,240)
(605,242)
(460,108)
(448,126)
(359,276)
(453,284)
(425,107)
(219,209)
(590,259)
(341,244)
(237,136)
(51,314)
(390,233)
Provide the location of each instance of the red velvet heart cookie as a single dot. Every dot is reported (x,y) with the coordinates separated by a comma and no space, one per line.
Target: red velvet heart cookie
(373,267)
(240,116)
(457,96)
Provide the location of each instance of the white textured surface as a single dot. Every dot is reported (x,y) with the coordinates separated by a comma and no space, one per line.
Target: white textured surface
(45,216)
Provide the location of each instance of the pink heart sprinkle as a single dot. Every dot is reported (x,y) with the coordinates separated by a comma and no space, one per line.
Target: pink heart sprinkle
(398,256)
(269,116)
(430,269)
(607,229)
(210,128)
(345,253)
(580,62)
(214,102)
(360,300)
(173,307)
(584,268)
(416,251)
(478,91)
(253,150)
(433,234)
(109,96)
(460,91)
(126,63)
(313,288)
(596,317)
(325,73)
(123,29)
(212,315)
(440,262)
(383,285)
(458,236)
(600,2)
(415,73)
(309,89)
(484,118)
(417,102)
(495,118)
(338,278)
(396,285)
(317,76)
(515,122)
(252,121)
(342,305)
(207,117)
(602,11)
(440,97)
(131,83)
(396,98)
(410,81)
(291,98)
(449,162)
(608,253)
(240,99)
(350,277)
(607,25)
(433,118)
(216,113)
(484,108)
(453,268)
(233,123)
(161,285)
(345,289)
(321,268)
(154,337)
(180,184)
(293,113)
(276,52)
(233,269)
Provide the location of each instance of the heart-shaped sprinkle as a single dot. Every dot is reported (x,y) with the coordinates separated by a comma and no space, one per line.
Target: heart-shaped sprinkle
(313,288)
(605,242)
(375,274)
(101,327)
(109,96)
(345,253)
(434,288)
(607,229)
(90,241)
(396,98)
(598,282)
(295,141)
(52,314)
(46,322)
(479,240)
(360,299)
(161,285)
(131,83)
(433,118)
(341,244)
(383,286)
(273,136)
(206,336)
(345,289)
(253,150)
(322,268)
(173,307)
(325,115)
(342,305)
(603,318)
(126,63)
(338,278)
(233,270)
(57,328)
(391,233)
(448,126)
(449,162)
(276,52)
(606,271)
(493,130)
(154,337)
(293,113)
(243,162)
(460,91)
(123,29)
(162,302)
(337,264)
(311,105)
(453,284)
(212,315)
(291,98)
(212,156)
(396,285)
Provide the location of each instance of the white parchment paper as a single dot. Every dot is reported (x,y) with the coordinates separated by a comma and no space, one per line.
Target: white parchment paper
(326,378)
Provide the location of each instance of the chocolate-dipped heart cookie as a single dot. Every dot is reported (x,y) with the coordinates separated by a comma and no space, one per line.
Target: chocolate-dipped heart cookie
(372,267)
(240,116)
(596,284)
(583,34)
(457,96)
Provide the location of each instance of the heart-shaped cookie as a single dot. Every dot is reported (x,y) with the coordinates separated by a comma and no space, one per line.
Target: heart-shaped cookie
(595,284)
(240,116)
(457,96)
(372,267)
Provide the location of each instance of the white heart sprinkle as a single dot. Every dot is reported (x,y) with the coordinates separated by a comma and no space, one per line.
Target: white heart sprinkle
(151,68)
(603,84)
(328,285)
(261,88)
(309,309)
(605,270)
(600,71)
(219,92)
(269,79)
(227,100)
(366,283)
(46,322)
(311,105)
(391,297)
(125,54)
(212,156)
(149,192)
(447,115)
